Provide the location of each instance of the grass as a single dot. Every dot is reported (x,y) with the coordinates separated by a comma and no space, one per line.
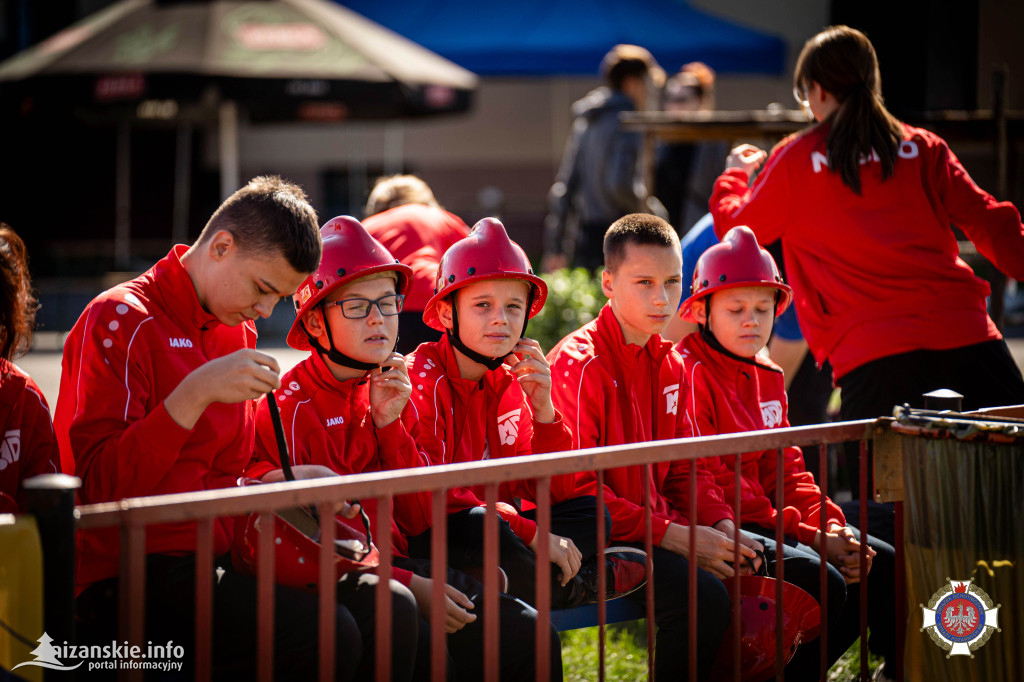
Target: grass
(626,655)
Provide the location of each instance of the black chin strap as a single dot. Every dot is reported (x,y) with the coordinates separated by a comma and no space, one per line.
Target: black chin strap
(455,338)
(333,354)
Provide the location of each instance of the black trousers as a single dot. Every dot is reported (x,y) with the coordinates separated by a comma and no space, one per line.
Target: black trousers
(517,622)
(575,519)
(985,374)
(170,615)
(671,615)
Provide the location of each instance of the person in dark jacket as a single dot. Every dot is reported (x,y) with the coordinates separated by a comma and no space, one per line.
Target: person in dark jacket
(599,180)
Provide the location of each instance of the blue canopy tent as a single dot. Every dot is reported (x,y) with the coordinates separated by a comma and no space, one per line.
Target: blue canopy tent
(569,37)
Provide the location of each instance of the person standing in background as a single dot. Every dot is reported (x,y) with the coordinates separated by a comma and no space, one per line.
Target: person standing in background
(599,180)
(685,172)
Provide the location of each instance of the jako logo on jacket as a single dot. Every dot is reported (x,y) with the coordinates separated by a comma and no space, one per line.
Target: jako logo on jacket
(181,343)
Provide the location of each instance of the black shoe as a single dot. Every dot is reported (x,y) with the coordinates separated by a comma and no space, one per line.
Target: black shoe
(626,572)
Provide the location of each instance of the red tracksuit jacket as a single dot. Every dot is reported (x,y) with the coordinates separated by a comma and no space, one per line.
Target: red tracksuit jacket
(29,445)
(469,421)
(130,348)
(613,393)
(328,422)
(418,236)
(727,394)
(877,274)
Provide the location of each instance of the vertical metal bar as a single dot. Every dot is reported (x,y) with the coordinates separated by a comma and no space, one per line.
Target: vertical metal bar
(265,597)
(123,198)
(438,567)
(382,634)
(50,498)
(734,584)
(823,552)
(132,593)
(691,575)
(649,548)
(864,561)
(780,572)
(900,594)
(602,577)
(327,588)
(543,643)
(204,599)
(492,655)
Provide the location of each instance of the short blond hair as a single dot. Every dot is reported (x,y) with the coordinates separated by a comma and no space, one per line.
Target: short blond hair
(396,190)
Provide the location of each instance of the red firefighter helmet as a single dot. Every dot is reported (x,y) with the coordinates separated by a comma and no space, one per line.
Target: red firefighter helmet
(297,549)
(487,253)
(349,252)
(738,261)
(801,620)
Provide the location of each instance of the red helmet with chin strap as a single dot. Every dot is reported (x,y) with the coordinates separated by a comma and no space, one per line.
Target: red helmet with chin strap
(487,253)
(801,621)
(349,252)
(738,261)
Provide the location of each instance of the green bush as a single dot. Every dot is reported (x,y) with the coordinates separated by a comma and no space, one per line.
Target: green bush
(574,298)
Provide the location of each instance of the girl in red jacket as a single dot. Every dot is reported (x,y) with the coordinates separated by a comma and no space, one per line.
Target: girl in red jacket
(864,205)
(737,293)
(484,391)
(29,446)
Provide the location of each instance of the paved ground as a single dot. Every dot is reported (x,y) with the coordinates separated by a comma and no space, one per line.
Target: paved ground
(44,364)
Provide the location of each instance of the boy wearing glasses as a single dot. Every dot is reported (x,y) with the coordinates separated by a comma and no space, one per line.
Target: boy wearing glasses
(341,409)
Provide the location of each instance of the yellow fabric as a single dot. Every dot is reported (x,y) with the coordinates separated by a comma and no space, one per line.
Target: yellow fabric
(21,593)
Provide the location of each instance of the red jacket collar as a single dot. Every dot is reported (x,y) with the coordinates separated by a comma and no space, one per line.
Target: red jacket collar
(177,292)
(609,339)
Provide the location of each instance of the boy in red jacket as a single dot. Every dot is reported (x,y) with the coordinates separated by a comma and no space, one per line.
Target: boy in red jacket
(635,379)
(484,391)
(342,407)
(157,393)
(737,293)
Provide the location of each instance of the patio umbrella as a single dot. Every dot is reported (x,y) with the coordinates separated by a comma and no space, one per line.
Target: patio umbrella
(190,62)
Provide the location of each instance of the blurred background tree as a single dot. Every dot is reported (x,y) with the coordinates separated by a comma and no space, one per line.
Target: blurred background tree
(574,298)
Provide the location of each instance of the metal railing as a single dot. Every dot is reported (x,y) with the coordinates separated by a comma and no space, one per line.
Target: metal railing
(133,516)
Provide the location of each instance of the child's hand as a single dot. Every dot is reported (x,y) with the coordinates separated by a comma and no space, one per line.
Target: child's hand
(562,551)
(746,157)
(714,548)
(456,603)
(534,374)
(747,566)
(843,551)
(390,389)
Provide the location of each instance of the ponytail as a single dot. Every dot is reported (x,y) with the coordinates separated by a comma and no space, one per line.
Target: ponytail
(842,61)
(862,127)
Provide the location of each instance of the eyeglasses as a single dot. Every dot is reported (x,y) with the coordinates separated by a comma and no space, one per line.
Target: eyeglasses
(358,308)
(801,97)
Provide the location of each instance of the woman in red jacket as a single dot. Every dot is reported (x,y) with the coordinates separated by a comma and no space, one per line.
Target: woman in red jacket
(864,204)
(29,446)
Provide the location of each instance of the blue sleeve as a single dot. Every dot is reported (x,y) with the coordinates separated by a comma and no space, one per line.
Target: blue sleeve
(699,239)
(786,325)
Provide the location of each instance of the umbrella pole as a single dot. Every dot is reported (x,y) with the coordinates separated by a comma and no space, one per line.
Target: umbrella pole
(228,149)
(123,198)
(182,196)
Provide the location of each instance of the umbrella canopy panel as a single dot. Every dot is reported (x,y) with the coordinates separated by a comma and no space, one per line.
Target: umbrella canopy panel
(280,58)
